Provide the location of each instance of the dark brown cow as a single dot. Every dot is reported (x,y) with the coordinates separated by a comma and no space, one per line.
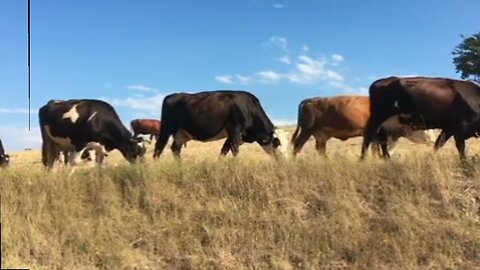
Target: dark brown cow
(425,103)
(146,127)
(341,117)
(207,116)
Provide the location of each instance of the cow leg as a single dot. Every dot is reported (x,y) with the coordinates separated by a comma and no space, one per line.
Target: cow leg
(48,154)
(234,138)
(442,139)
(225,147)
(321,144)
(383,139)
(370,133)
(300,141)
(176,148)
(162,141)
(460,144)
(65,156)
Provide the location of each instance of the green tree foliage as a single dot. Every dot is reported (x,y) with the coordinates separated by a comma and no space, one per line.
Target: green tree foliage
(467,57)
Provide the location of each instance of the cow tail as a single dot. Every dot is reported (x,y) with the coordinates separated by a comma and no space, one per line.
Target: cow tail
(295,134)
(297,130)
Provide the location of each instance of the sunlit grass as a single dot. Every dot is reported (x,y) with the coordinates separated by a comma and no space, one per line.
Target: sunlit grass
(418,211)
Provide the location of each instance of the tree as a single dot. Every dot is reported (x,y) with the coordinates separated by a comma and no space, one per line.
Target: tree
(467,57)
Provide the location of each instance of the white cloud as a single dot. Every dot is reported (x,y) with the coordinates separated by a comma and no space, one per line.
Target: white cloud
(285,59)
(280,42)
(269,76)
(228,79)
(337,58)
(233,79)
(311,70)
(243,79)
(305,48)
(277,5)
(307,71)
(141,87)
(17,111)
(150,106)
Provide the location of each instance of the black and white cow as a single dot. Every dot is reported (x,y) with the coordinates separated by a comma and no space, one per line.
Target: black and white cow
(4,158)
(79,124)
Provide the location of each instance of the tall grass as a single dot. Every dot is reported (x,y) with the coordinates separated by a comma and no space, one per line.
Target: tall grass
(311,213)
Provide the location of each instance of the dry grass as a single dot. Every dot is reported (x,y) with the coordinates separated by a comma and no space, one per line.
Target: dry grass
(418,211)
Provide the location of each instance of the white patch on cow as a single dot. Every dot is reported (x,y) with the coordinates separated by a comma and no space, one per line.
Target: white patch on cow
(62,142)
(73,157)
(99,150)
(395,104)
(91,116)
(96,150)
(72,114)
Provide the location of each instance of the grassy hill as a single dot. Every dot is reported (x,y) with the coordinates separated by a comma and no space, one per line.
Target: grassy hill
(418,211)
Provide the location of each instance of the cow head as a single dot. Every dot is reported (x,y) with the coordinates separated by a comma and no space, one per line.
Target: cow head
(275,144)
(4,160)
(135,149)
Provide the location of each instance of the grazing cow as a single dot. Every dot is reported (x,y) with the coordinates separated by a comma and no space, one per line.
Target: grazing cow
(4,158)
(208,116)
(145,127)
(425,103)
(341,117)
(79,124)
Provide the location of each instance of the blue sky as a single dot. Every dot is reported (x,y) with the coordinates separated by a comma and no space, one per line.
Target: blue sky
(133,53)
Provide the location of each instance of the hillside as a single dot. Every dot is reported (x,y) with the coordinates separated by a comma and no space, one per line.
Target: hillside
(418,211)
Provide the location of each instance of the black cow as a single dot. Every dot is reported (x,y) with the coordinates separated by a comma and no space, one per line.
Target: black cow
(208,116)
(425,103)
(79,124)
(4,158)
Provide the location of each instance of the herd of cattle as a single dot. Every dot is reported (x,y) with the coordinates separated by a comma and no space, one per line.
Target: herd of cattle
(396,107)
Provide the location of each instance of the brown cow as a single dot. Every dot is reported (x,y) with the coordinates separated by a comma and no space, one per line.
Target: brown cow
(146,127)
(341,117)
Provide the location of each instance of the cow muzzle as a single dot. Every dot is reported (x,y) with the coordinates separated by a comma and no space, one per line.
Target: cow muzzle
(4,160)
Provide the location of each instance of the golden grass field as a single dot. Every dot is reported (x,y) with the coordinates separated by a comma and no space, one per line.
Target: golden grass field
(417,211)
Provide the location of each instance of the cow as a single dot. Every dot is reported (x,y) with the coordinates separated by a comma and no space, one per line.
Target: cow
(213,115)
(342,117)
(78,124)
(4,157)
(145,127)
(424,103)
